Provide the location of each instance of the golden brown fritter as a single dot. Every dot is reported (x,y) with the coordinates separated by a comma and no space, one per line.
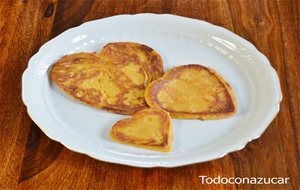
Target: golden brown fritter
(149,128)
(192,92)
(126,54)
(113,80)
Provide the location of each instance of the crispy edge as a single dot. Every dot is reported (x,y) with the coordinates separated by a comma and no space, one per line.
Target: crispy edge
(156,69)
(168,132)
(181,115)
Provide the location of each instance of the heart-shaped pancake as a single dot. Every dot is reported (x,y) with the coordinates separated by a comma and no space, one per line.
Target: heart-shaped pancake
(192,92)
(113,80)
(130,56)
(149,128)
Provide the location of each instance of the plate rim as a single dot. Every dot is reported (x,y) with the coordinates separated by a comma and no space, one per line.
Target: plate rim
(262,57)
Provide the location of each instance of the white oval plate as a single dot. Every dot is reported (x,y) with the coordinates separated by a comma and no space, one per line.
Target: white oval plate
(179,41)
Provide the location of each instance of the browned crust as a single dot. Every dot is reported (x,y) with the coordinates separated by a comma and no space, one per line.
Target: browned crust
(166,130)
(153,67)
(155,86)
(91,56)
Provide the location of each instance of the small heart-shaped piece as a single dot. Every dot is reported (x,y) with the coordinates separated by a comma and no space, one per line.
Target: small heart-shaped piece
(113,80)
(192,92)
(149,128)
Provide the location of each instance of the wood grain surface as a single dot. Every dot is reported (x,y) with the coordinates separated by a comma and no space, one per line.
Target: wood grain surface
(30,160)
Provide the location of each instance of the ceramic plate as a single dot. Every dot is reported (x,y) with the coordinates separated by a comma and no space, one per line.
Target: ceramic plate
(179,41)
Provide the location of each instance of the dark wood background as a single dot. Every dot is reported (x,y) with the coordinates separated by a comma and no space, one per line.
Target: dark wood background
(30,160)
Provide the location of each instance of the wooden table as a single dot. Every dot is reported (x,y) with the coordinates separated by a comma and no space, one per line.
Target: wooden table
(30,160)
